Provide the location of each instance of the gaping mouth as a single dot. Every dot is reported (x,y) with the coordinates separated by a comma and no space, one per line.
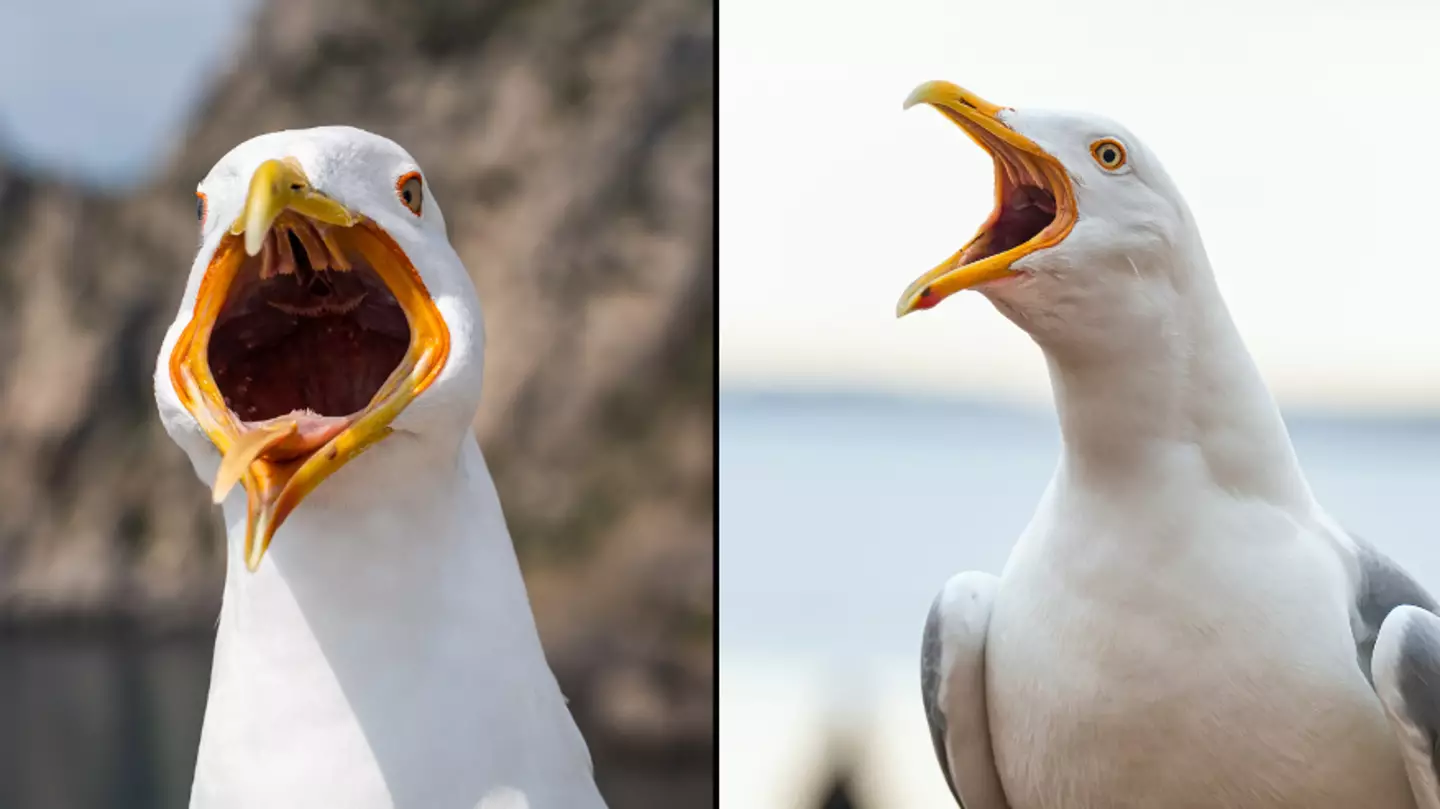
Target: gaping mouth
(311,332)
(1034,202)
(308,330)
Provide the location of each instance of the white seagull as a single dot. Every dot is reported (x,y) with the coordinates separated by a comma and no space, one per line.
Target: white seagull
(1181,625)
(383,653)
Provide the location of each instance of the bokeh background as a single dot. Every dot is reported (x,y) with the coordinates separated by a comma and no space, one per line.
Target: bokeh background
(571,142)
(1296,128)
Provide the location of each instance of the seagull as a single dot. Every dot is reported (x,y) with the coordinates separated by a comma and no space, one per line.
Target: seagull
(1181,624)
(376,646)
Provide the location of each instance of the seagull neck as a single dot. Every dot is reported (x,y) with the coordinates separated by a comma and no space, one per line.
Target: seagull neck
(1177,387)
(388,550)
(388,625)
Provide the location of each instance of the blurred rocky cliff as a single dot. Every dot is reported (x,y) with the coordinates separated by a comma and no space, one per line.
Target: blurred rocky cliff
(571,143)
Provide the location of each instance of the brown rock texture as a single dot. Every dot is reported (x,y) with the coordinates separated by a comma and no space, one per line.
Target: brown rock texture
(571,144)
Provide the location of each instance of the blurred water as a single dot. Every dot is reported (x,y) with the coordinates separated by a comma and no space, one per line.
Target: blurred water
(110,719)
(99,718)
(841,517)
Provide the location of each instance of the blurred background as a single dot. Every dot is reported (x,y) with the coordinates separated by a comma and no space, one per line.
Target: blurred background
(1292,126)
(571,142)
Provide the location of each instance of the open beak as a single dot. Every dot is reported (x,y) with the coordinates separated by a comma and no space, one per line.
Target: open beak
(287,231)
(1034,202)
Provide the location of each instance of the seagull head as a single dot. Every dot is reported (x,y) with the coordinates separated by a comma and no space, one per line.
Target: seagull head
(324,313)
(1084,232)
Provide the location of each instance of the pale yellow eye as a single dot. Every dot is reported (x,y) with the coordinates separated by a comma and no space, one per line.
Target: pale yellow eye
(411,191)
(1108,153)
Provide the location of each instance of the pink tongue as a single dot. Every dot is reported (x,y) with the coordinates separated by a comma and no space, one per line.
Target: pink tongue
(311,434)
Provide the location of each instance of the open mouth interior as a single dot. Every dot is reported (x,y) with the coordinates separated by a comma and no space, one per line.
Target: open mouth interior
(1023,212)
(308,328)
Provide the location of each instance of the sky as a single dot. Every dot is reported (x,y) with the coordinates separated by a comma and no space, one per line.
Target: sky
(99,89)
(1300,133)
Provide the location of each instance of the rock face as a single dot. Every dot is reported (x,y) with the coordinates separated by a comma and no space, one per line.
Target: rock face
(571,144)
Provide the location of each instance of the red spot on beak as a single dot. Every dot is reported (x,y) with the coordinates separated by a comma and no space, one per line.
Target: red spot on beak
(927,299)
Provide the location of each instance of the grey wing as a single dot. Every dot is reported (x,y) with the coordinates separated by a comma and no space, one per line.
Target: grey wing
(1383,586)
(1407,680)
(1398,646)
(952,686)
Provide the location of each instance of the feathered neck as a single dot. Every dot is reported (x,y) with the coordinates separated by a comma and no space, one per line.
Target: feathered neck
(1170,384)
(385,654)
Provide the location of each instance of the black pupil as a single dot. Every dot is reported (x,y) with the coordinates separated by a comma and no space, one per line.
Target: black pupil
(1107,154)
(200,209)
(406,195)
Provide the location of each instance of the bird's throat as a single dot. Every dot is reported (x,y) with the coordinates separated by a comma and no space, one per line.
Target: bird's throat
(388,638)
(1180,388)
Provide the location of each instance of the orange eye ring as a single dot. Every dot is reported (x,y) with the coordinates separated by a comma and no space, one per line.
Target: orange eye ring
(1109,153)
(202,207)
(411,191)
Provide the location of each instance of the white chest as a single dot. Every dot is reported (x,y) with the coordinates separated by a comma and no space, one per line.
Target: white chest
(1184,677)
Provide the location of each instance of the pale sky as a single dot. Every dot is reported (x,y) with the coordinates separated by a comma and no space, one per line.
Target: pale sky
(1303,135)
(99,89)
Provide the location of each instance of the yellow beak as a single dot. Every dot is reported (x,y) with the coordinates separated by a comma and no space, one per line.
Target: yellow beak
(277,465)
(1024,173)
(278,185)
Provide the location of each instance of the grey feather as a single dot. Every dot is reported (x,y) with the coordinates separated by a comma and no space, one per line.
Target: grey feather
(1397,637)
(1419,679)
(1384,585)
(1407,680)
(930,676)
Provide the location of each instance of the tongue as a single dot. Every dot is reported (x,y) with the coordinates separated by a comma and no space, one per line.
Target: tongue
(280,439)
(311,431)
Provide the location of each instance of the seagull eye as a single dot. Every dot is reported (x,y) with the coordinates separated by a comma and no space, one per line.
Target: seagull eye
(202,206)
(1108,153)
(411,191)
